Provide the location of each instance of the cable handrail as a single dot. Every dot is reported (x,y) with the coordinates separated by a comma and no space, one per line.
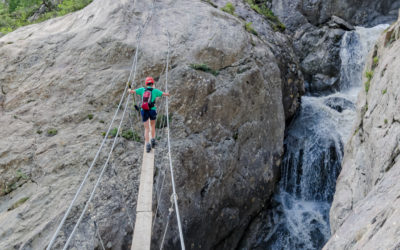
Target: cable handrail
(170,158)
(134,67)
(98,179)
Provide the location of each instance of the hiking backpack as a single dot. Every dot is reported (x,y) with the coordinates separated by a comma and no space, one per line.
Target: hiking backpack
(146,99)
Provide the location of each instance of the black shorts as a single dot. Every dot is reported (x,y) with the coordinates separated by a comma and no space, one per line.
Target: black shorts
(146,114)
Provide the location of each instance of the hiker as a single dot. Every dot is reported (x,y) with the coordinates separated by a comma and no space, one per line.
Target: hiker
(149,95)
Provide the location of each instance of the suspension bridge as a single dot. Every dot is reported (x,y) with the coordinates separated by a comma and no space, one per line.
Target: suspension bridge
(145,217)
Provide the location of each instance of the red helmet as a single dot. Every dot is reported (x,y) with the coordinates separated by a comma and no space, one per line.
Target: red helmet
(149,80)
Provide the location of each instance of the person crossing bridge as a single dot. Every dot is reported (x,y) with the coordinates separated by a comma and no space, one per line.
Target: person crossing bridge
(148,110)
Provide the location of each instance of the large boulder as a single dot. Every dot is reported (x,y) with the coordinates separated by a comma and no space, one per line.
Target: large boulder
(365,211)
(61,81)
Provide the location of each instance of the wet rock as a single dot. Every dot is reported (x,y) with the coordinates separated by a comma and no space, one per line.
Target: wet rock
(318,51)
(337,22)
(339,104)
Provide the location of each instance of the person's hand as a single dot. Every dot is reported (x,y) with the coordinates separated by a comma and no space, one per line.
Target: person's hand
(131,91)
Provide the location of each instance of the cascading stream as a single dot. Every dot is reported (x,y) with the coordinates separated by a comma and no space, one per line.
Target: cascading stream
(313,154)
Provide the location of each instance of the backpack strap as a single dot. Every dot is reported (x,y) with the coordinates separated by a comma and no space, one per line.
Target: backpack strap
(151,104)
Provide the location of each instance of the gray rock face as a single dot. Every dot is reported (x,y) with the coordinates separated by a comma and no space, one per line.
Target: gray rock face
(318,50)
(318,27)
(365,211)
(318,12)
(227,130)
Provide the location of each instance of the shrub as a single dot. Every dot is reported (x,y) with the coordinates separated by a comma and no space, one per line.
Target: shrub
(17,12)
(20,175)
(250,29)
(130,135)
(229,8)
(52,132)
(262,9)
(113,132)
(205,68)
(366,85)
(384,91)
(39,131)
(386,121)
(90,116)
(369,75)
(375,61)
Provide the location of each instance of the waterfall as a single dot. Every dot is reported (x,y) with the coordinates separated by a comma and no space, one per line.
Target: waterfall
(314,146)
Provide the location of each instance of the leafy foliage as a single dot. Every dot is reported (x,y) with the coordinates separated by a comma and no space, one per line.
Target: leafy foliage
(16,13)
(229,8)
(250,29)
(205,68)
(52,132)
(262,9)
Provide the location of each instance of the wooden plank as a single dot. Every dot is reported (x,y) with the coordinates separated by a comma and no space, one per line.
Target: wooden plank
(144,215)
(142,234)
(145,196)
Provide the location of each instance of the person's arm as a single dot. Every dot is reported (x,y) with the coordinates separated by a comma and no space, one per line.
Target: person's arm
(132,91)
(165,94)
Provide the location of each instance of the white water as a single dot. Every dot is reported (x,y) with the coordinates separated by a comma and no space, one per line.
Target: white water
(314,151)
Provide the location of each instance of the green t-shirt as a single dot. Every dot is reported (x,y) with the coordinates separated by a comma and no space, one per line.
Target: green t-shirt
(155,93)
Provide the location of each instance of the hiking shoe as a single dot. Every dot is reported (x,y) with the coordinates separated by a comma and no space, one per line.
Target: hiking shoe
(148,148)
(153,142)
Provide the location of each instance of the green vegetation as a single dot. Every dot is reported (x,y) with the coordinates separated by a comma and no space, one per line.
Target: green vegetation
(375,61)
(250,29)
(20,175)
(384,91)
(262,9)
(90,116)
(368,75)
(52,132)
(205,68)
(101,121)
(127,134)
(161,121)
(39,131)
(386,121)
(229,8)
(17,13)
(18,203)
(131,135)
(18,180)
(113,132)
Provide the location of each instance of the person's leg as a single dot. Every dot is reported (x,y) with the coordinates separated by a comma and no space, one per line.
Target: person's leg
(153,128)
(153,118)
(145,119)
(146,131)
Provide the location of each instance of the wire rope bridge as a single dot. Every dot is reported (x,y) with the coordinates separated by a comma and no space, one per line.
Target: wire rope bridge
(144,214)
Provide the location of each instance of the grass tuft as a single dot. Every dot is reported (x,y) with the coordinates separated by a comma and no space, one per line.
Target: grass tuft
(229,8)
(205,68)
(262,9)
(52,132)
(250,29)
